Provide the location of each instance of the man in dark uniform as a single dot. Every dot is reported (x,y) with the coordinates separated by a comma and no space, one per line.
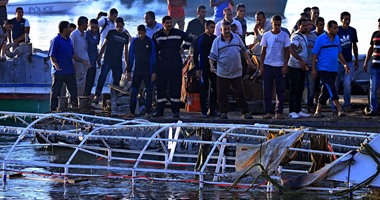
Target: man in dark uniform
(196,27)
(169,43)
(142,55)
(114,43)
(202,48)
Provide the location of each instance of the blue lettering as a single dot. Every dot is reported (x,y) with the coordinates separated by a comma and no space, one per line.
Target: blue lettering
(41,9)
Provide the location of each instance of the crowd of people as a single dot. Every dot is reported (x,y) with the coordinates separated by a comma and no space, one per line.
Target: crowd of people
(307,57)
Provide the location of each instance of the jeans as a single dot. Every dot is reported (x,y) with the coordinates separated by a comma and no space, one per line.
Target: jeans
(297,79)
(57,82)
(347,78)
(117,70)
(374,84)
(270,74)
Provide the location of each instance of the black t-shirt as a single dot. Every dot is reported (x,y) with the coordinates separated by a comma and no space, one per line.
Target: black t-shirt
(115,45)
(141,50)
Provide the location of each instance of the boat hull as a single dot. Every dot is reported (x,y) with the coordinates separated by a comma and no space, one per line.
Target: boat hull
(42,7)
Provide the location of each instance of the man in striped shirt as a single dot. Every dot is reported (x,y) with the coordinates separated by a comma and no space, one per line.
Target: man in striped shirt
(374,52)
(170,45)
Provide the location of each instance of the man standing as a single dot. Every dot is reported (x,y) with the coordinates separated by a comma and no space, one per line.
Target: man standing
(311,83)
(5,31)
(319,26)
(374,52)
(177,13)
(227,13)
(240,16)
(93,38)
(196,27)
(79,41)
(219,6)
(314,15)
(169,43)
(61,53)
(113,46)
(21,27)
(348,39)
(106,24)
(226,50)
(151,25)
(262,26)
(326,53)
(274,66)
(202,48)
(3,11)
(142,55)
(297,68)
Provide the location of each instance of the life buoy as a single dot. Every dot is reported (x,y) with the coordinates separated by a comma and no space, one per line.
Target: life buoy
(9,53)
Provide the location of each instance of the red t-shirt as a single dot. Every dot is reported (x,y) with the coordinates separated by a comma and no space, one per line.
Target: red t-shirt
(176,11)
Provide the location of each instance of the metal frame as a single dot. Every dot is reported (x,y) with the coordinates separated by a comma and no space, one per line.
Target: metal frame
(170,161)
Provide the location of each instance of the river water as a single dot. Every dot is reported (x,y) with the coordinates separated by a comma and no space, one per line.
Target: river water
(364,15)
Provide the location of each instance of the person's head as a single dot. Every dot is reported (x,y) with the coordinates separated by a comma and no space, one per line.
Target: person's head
(227,14)
(167,23)
(240,10)
(82,23)
(201,11)
(19,12)
(234,28)
(320,24)
(72,27)
(314,13)
(141,31)
(310,24)
(345,18)
(276,23)
(303,15)
(113,13)
(307,11)
(149,18)
(260,18)
(332,27)
(303,25)
(94,26)
(119,24)
(210,27)
(8,25)
(63,27)
(226,28)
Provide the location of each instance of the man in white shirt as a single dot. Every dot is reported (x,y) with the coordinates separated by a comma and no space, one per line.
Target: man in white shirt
(274,66)
(106,24)
(151,26)
(227,13)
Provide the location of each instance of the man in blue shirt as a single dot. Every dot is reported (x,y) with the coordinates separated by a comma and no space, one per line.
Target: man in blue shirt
(93,39)
(219,6)
(327,50)
(21,27)
(61,53)
(348,39)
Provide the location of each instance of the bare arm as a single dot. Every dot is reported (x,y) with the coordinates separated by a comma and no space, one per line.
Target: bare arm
(343,61)
(367,58)
(212,67)
(126,53)
(262,59)
(313,66)
(55,64)
(214,3)
(102,50)
(286,60)
(356,54)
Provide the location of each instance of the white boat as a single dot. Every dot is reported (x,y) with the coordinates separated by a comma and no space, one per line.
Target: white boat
(43,6)
(225,155)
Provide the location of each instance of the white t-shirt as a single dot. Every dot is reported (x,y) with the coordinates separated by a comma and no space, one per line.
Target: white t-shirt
(110,26)
(218,26)
(300,41)
(275,44)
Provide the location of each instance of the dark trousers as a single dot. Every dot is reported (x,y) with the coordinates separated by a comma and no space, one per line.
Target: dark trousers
(223,85)
(296,78)
(328,89)
(169,74)
(57,82)
(116,75)
(90,80)
(208,83)
(270,74)
(136,82)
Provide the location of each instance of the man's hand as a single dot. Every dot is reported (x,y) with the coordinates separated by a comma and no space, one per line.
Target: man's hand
(261,70)
(56,67)
(86,63)
(154,77)
(356,65)
(129,77)
(365,67)
(284,70)
(314,73)
(346,68)
(198,73)
(212,69)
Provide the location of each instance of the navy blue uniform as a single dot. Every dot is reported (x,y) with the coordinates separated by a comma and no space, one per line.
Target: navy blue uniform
(169,66)
(142,55)
(93,53)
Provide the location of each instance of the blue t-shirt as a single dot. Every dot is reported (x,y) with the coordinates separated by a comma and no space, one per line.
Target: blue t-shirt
(327,52)
(347,37)
(218,10)
(62,50)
